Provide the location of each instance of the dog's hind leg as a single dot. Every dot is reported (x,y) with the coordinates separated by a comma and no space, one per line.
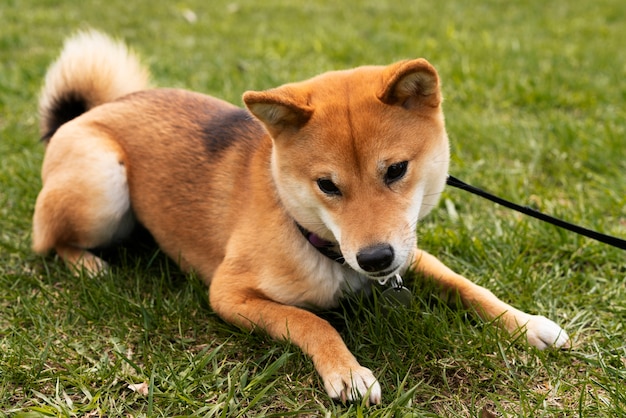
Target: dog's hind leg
(84,202)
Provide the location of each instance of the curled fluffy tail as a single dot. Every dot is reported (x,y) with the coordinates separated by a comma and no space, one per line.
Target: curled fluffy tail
(92,69)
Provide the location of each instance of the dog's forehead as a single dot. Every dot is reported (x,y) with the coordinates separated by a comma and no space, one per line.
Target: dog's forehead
(351,125)
(339,87)
(352,98)
(356,114)
(367,146)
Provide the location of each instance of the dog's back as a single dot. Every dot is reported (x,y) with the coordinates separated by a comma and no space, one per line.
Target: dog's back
(105,134)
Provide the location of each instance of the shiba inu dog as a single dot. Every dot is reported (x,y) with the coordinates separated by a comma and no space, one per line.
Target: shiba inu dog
(311,192)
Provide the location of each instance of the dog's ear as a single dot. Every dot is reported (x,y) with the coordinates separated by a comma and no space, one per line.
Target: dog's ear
(277,109)
(411,84)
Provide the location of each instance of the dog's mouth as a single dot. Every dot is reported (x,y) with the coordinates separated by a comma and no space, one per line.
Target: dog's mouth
(383,276)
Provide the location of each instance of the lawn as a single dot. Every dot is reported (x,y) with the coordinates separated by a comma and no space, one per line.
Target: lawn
(535,101)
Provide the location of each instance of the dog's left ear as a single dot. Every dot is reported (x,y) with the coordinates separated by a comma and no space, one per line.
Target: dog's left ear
(411,84)
(278,109)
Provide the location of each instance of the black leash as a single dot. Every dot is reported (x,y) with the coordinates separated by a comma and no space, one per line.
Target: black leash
(607,239)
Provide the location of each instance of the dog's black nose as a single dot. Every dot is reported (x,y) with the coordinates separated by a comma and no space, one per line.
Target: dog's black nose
(375,258)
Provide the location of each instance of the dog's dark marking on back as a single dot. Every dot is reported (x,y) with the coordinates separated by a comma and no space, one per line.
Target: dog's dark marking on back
(228,128)
(63,109)
(218,128)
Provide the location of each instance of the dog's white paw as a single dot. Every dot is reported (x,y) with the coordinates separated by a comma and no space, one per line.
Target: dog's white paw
(353,384)
(88,264)
(543,333)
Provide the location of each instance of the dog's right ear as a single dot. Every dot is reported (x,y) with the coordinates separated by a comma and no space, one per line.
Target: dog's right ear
(411,84)
(277,110)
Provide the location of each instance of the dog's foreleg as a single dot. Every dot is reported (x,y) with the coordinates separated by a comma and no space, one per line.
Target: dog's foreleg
(540,331)
(344,378)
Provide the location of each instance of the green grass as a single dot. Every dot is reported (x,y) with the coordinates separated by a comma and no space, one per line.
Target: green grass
(535,107)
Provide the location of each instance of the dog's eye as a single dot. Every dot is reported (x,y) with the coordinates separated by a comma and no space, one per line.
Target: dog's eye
(395,172)
(328,187)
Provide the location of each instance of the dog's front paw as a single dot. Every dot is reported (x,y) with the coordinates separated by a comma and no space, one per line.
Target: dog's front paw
(543,333)
(352,384)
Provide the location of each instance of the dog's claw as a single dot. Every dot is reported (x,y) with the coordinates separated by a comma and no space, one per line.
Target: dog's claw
(543,333)
(353,385)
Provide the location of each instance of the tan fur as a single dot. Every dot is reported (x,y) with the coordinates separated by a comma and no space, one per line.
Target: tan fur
(221,191)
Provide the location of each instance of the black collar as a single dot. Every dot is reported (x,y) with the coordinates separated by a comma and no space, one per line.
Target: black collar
(326,248)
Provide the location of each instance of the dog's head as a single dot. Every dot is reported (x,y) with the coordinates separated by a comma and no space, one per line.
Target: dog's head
(359,156)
